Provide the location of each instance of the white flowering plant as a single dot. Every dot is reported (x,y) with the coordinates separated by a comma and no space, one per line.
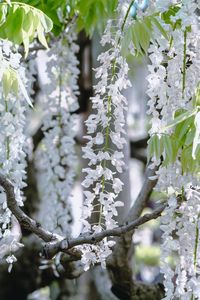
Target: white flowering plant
(39,46)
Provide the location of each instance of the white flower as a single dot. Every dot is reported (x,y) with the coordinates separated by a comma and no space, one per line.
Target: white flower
(105,135)
(10,260)
(117,140)
(117,185)
(99,139)
(172,88)
(56,158)
(117,160)
(12,141)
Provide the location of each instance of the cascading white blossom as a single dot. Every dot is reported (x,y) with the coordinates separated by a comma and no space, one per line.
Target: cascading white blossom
(173,79)
(180,226)
(12,138)
(55,158)
(104,149)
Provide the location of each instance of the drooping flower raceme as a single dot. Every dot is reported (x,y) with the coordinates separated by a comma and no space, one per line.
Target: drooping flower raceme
(180,226)
(12,156)
(104,149)
(55,158)
(174,76)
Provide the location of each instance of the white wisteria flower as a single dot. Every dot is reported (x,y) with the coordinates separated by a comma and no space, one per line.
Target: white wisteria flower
(56,158)
(173,78)
(106,140)
(13,105)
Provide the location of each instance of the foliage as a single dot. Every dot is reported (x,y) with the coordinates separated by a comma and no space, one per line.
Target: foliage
(19,23)
(90,15)
(181,143)
(140,34)
(94,14)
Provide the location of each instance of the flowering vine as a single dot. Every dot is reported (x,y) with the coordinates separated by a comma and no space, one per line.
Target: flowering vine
(106,139)
(55,158)
(173,79)
(12,156)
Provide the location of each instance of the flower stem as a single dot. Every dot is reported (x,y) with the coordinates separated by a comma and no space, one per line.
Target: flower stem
(184,63)
(126,16)
(109,109)
(196,246)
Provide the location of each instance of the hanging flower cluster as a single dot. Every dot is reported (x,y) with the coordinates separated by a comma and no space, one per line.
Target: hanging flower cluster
(173,87)
(55,158)
(173,79)
(104,149)
(12,156)
(180,226)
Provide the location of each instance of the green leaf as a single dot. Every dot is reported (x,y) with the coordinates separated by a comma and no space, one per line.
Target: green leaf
(45,22)
(25,38)
(23,90)
(155,146)
(6,82)
(181,130)
(182,117)
(9,2)
(160,28)
(41,36)
(9,82)
(136,37)
(171,12)
(3,14)
(196,141)
(145,36)
(126,41)
(20,22)
(169,149)
(190,137)
(196,99)
(158,146)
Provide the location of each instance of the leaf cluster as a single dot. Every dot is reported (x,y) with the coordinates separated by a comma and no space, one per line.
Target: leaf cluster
(20,22)
(90,15)
(140,34)
(180,144)
(11,83)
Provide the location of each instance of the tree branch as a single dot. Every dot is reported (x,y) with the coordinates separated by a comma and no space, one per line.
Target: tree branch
(24,220)
(143,196)
(53,245)
(118,231)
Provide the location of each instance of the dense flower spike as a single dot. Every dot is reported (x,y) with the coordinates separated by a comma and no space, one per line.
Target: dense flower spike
(56,159)
(104,149)
(12,138)
(180,225)
(173,79)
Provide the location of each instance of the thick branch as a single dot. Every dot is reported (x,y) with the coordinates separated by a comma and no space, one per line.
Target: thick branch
(143,196)
(24,220)
(53,246)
